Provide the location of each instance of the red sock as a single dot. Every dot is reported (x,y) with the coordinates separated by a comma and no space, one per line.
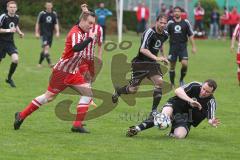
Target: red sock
(81,113)
(239,76)
(33,106)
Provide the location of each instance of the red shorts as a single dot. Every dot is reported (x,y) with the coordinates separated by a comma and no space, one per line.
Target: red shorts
(87,66)
(60,80)
(238,58)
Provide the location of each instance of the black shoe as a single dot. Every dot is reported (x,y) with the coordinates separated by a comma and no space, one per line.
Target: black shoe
(11,82)
(132,131)
(79,130)
(18,121)
(115,96)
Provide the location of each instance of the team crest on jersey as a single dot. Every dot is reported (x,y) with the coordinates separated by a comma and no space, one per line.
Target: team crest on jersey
(178,29)
(49,19)
(11,25)
(157,44)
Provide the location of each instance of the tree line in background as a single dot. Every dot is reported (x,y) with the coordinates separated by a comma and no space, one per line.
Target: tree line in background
(69,11)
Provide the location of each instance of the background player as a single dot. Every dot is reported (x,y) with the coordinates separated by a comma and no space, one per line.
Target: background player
(145,65)
(47,21)
(179,31)
(236,35)
(66,74)
(192,104)
(8,26)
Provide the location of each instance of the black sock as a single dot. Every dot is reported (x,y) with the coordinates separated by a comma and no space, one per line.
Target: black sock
(172,76)
(42,56)
(12,69)
(157,95)
(123,90)
(48,58)
(183,73)
(146,124)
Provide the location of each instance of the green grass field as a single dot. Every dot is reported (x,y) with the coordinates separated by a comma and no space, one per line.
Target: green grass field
(44,136)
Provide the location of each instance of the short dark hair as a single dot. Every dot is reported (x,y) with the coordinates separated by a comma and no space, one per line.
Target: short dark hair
(211,83)
(160,16)
(11,2)
(177,7)
(85,15)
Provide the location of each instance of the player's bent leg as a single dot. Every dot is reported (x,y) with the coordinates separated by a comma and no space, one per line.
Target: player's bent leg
(168,110)
(12,69)
(33,106)
(180,132)
(133,130)
(157,92)
(184,68)
(47,55)
(172,73)
(128,89)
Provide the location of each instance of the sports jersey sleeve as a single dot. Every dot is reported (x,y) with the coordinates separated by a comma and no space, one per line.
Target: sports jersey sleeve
(55,20)
(76,37)
(189,28)
(39,17)
(236,30)
(169,25)
(211,108)
(190,87)
(146,38)
(2,17)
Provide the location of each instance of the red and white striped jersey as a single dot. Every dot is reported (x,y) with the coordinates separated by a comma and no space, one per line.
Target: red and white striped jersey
(89,51)
(70,60)
(236,34)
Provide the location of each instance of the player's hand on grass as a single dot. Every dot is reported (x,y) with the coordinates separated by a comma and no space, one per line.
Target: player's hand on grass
(214,122)
(196,104)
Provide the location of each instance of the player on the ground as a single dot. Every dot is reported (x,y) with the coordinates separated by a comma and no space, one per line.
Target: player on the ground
(145,65)
(179,31)
(8,26)
(236,35)
(47,22)
(192,104)
(66,74)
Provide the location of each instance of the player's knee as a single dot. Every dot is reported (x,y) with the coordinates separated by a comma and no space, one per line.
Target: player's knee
(180,134)
(50,96)
(132,89)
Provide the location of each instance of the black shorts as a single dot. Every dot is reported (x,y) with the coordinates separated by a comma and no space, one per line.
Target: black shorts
(178,50)
(46,40)
(7,48)
(180,117)
(143,69)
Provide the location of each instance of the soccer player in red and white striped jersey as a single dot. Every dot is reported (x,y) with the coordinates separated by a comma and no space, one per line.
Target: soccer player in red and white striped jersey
(66,74)
(89,51)
(236,35)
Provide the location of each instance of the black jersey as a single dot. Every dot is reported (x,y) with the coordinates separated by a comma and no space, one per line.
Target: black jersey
(179,31)
(152,41)
(47,21)
(208,104)
(7,22)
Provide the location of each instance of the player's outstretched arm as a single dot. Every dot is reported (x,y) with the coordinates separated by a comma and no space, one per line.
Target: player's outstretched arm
(183,95)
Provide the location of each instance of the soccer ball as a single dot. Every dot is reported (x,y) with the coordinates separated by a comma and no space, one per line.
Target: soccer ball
(162,121)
